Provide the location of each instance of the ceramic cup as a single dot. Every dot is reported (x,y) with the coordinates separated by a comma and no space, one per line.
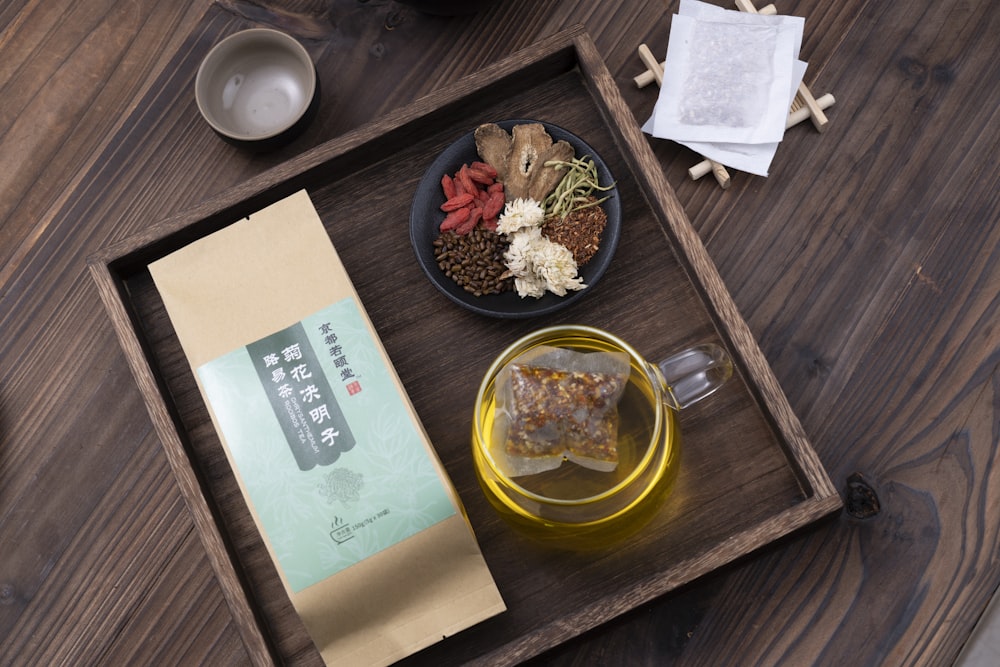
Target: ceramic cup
(577,506)
(257,88)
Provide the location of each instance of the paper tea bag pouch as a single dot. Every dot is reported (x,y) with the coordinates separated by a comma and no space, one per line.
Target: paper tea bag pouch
(365,529)
(556,404)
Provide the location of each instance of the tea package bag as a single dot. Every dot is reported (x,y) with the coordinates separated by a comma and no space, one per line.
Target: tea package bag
(728,82)
(364,527)
(556,404)
(751,158)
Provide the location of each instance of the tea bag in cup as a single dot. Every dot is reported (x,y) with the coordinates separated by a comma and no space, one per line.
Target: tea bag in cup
(556,404)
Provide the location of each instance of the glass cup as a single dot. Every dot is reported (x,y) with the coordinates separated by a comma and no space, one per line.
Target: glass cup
(575,506)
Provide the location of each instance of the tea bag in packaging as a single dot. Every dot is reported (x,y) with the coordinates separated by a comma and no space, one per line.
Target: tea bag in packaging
(556,404)
(729,78)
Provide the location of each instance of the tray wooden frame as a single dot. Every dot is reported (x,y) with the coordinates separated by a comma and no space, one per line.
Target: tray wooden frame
(749,474)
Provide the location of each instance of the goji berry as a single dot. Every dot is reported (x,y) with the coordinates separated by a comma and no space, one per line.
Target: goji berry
(465,179)
(448,186)
(458,201)
(480,176)
(472,197)
(454,219)
(493,207)
(475,215)
(459,187)
(485,167)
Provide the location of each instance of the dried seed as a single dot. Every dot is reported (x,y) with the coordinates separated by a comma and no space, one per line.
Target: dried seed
(475,261)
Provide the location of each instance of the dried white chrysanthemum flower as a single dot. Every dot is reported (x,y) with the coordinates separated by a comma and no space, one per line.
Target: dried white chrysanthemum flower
(518,254)
(520,214)
(555,265)
(540,265)
(529,285)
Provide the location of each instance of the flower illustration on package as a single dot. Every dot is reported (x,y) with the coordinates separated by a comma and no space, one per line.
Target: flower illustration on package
(343,485)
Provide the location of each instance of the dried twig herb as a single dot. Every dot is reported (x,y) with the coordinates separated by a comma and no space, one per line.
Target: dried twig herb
(577,188)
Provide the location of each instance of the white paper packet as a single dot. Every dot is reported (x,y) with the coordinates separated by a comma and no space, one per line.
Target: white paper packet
(704,10)
(726,79)
(754,158)
(751,158)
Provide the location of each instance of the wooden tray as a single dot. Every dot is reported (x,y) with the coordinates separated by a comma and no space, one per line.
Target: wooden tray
(749,476)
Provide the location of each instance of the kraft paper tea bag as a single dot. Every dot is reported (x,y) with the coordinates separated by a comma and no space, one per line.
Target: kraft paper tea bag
(556,404)
(357,512)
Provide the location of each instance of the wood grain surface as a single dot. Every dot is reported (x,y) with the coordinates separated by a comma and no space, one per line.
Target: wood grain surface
(865,266)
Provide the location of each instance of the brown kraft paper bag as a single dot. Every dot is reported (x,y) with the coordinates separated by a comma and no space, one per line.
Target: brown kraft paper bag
(376,570)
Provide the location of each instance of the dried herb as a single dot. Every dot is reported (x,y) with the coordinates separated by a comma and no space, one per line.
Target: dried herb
(579,231)
(577,189)
(474,260)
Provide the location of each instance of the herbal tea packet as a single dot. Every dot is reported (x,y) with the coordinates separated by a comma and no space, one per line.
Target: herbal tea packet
(366,531)
(704,10)
(751,158)
(726,78)
(556,404)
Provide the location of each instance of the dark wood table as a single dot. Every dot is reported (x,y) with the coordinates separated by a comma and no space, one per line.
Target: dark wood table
(866,266)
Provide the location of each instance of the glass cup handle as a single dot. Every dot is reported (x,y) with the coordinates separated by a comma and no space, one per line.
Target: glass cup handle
(694,373)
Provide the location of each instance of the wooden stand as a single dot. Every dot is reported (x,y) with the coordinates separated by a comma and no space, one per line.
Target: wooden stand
(803,106)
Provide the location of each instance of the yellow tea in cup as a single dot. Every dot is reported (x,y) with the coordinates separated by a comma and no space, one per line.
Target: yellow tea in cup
(584,487)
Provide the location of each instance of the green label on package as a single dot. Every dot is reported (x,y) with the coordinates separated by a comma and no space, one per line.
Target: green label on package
(330,457)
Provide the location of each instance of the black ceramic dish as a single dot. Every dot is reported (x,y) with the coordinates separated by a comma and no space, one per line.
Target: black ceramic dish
(426,217)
